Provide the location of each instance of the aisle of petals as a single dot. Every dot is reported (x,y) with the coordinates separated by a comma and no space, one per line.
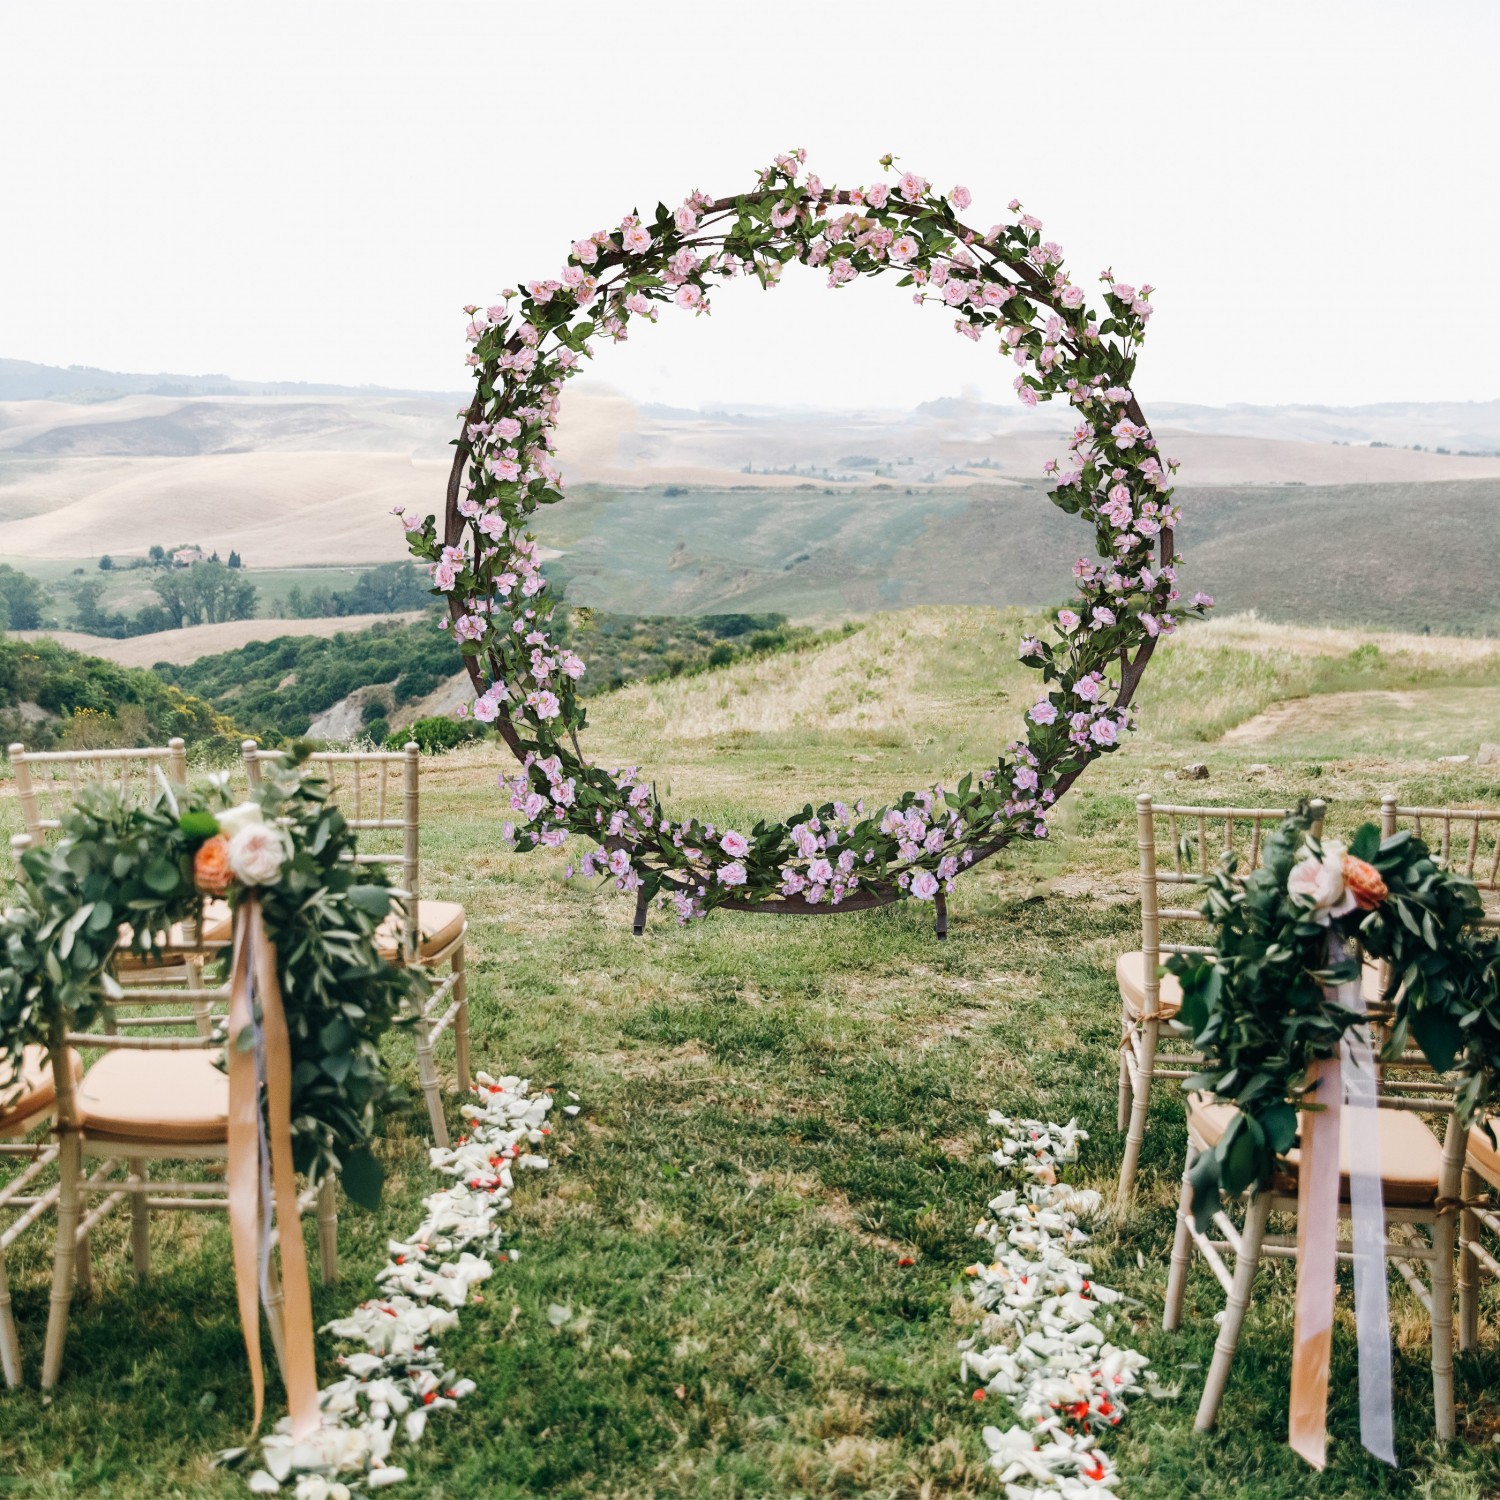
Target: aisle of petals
(398,1380)
(1049,1357)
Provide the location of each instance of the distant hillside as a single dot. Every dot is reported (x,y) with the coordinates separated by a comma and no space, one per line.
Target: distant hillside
(50,696)
(1400,556)
(20,380)
(388,674)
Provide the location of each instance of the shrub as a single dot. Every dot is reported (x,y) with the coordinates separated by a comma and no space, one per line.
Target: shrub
(435,735)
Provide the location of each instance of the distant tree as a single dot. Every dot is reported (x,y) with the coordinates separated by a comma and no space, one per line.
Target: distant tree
(215,555)
(207,593)
(23,599)
(106,563)
(387,590)
(234,559)
(157,557)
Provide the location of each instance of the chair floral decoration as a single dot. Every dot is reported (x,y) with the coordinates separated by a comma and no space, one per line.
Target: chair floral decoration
(306,919)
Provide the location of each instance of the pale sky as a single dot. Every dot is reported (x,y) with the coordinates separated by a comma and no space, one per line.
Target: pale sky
(311,190)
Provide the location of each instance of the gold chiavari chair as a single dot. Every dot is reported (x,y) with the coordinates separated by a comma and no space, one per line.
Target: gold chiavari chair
(1178,846)
(153,1094)
(378,793)
(1466,840)
(29,1096)
(1420,1180)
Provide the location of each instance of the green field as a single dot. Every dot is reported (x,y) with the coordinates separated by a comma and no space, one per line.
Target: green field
(1395,556)
(777,1112)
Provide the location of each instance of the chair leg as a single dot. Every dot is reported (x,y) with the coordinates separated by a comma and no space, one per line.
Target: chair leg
(461,1018)
(276,1305)
(1444,1233)
(1182,1248)
(328,1230)
(1468,1266)
(1139,1107)
(427,1077)
(1245,1266)
(69,1208)
(10,1346)
(83,1265)
(1122,1111)
(140,1226)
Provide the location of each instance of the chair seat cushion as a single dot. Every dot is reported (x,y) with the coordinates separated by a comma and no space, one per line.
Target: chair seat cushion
(125,957)
(38,1089)
(438,922)
(1411,1156)
(164,1098)
(1484,1157)
(218,921)
(1130,971)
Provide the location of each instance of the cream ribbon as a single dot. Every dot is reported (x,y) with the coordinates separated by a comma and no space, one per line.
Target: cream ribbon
(264,1059)
(1317,1244)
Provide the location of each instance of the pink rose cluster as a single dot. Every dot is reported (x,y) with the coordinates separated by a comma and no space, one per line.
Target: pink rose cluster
(1008,285)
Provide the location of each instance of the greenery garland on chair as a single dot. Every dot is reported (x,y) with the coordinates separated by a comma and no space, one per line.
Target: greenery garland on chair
(120,876)
(1261,1012)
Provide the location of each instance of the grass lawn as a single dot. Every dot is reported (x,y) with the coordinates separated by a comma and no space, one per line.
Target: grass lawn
(777,1112)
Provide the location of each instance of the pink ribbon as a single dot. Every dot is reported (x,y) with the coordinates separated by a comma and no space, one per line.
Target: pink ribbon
(1318,1208)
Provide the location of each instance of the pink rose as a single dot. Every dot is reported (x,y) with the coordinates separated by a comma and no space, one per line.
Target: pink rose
(734,844)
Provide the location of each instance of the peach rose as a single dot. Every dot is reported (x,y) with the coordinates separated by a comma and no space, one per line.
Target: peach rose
(211,873)
(1363,882)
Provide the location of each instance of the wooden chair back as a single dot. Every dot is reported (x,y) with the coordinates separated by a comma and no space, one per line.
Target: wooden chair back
(378,793)
(1465,839)
(1179,848)
(47,781)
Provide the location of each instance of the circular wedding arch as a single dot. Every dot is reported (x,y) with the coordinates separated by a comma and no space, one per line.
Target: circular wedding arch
(1008,284)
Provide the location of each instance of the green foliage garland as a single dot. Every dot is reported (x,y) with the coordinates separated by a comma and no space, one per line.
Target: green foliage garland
(124,875)
(1260,1011)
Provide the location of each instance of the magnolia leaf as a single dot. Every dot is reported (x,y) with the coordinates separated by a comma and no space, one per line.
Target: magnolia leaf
(374,899)
(1438,1035)
(1366,843)
(363,1178)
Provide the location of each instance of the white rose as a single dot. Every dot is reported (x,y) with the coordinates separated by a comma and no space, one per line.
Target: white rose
(232,819)
(1319,883)
(257,853)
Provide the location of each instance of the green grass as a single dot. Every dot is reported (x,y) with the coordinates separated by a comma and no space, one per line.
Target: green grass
(776,1111)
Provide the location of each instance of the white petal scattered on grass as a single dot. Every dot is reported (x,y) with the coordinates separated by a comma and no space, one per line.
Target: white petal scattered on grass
(396,1380)
(557,1314)
(1054,1365)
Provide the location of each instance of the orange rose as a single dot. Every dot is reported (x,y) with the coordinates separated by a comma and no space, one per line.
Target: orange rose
(211,873)
(1363,882)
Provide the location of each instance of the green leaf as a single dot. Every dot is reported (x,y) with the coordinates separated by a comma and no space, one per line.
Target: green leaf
(198,825)
(362,1177)
(1438,1035)
(162,875)
(374,899)
(1366,843)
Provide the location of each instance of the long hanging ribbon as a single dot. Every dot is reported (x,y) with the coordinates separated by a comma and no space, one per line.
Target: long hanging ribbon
(263,1059)
(1317,1245)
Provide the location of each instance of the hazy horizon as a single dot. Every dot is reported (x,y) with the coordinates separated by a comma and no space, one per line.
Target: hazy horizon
(321,211)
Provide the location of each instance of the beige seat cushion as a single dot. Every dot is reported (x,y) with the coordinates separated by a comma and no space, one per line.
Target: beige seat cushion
(1411,1156)
(439,923)
(166,1098)
(38,1089)
(218,921)
(1130,970)
(126,958)
(1483,1156)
